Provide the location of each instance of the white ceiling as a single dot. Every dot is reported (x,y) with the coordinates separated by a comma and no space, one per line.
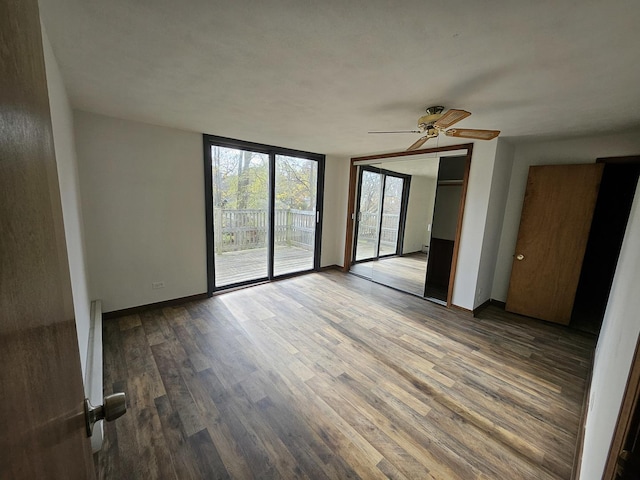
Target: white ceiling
(317,75)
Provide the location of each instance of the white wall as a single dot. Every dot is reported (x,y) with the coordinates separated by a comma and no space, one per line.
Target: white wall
(88,322)
(473,224)
(614,351)
(336,190)
(143,203)
(495,216)
(63,136)
(422,193)
(143,199)
(575,150)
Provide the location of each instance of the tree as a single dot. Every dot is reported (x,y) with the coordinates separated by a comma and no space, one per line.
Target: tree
(296,180)
(241,180)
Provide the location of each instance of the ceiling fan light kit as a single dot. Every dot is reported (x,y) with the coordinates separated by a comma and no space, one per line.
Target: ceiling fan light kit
(436,122)
(433,114)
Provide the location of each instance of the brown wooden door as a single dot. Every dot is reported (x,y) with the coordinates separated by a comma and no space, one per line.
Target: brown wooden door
(42,430)
(554,228)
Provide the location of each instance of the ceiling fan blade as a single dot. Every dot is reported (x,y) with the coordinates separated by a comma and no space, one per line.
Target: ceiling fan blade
(471,133)
(451,117)
(399,131)
(418,143)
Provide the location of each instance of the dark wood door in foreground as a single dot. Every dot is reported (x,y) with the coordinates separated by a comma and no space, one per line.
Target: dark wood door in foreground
(42,429)
(554,229)
(328,375)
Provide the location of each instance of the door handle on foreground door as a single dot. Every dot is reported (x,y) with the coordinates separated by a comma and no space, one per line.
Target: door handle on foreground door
(520,257)
(114,406)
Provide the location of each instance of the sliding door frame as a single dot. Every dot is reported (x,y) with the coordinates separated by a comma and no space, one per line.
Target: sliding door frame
(404,202)
(358,219)
(209,141)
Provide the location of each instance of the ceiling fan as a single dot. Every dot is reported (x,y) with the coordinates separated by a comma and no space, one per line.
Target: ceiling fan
(436,122)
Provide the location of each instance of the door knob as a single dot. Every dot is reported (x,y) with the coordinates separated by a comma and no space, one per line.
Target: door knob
(520,257)
(114,406)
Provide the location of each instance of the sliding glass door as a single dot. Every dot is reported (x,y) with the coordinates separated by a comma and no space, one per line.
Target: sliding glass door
(240,215)
(263,212)
(296,214)
(391,210)
(381,208)
(368,221)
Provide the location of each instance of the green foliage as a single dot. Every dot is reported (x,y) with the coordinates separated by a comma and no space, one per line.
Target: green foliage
(296,180)
(241,180)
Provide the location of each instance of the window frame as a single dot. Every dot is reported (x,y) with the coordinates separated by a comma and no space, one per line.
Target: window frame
(270,150)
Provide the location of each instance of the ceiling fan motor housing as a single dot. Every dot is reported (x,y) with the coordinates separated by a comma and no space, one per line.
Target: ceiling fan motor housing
(426,122)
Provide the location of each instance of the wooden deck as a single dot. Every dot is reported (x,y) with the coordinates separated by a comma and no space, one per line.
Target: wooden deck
(330,376)
(245,265)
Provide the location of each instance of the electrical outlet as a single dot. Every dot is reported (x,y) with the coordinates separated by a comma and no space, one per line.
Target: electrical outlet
(156,285)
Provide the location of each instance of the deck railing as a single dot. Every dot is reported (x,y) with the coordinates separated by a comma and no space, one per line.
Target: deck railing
(368,227)
(246,229)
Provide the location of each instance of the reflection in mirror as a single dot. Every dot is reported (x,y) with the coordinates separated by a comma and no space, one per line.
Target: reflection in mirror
(406,220)
(406,205)
(368,224)
(444,227)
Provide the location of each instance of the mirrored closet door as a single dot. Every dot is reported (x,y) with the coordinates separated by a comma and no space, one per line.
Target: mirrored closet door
(406,220)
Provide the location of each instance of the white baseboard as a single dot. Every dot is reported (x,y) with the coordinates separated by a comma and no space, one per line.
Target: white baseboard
(93,380)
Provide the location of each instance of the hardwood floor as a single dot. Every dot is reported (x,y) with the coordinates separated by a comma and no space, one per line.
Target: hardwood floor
(329,375)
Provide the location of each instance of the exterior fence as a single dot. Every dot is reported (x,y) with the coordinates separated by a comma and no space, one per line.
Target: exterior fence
(246,229)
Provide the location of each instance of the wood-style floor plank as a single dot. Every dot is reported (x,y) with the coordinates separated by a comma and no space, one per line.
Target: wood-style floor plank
(331,376)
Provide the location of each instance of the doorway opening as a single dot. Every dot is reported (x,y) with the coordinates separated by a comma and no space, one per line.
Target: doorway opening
(263,212)
(610,217)
(444,227)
